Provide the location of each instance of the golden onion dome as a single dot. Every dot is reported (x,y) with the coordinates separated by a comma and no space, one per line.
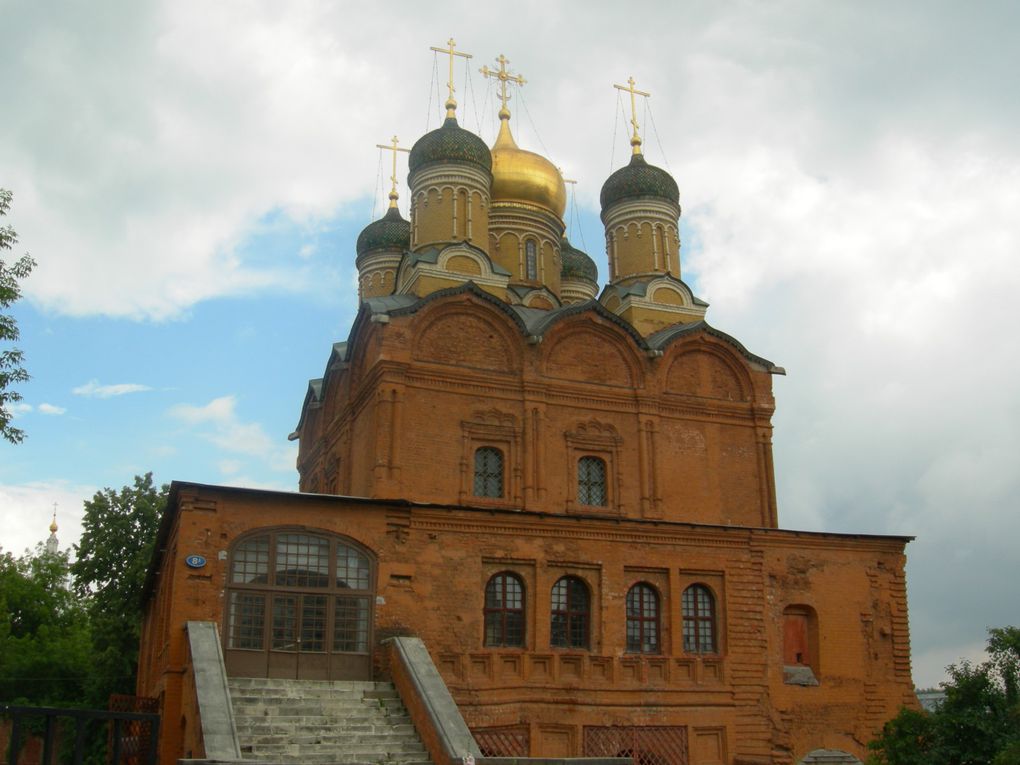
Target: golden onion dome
(523,176)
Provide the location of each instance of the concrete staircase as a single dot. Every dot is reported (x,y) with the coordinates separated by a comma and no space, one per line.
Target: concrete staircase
(323,723)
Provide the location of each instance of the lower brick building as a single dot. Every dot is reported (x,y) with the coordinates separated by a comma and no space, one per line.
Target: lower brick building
(570,500)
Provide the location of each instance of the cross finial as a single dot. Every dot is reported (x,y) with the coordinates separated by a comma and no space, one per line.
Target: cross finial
(393,177)
(504,77)
(451,102)
(635,139)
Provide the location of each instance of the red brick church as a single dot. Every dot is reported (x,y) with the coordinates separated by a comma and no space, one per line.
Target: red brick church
(567,494)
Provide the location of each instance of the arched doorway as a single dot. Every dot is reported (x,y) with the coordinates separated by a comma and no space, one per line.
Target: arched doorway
(299,605)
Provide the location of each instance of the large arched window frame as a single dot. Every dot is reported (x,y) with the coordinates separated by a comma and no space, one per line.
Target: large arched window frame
(697,606)
(643,628)
(297,591)
(504,611)
(570,614)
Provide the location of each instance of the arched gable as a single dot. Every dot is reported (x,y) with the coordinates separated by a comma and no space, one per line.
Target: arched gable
(708,371)
(467,333)
(582,350)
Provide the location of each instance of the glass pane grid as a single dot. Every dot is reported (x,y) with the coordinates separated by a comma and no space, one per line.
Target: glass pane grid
(284,623)
(251,561)
(302,560)
(350,625)
(591,481)
(352,568)
(488,472)
(247,620)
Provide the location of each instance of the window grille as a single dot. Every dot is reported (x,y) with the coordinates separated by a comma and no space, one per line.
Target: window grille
(642,619)
(698,607)
(504,611)
(643,744)
(502,742)
(591,481)
(570,614)
(488,472)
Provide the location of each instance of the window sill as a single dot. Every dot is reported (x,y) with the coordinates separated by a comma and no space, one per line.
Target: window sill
(799,675)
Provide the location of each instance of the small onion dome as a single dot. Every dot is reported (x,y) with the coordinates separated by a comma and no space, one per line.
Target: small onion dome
(577,264)
(390,232)
(639,179)
(523,176)
(449,143)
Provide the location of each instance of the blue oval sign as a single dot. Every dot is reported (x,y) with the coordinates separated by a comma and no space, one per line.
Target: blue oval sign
(195,561)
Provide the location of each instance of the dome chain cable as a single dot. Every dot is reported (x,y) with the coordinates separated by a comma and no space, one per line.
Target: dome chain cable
(527,112)
(651,116)
(433,88)
(378,184)
(616,125)
(471,91)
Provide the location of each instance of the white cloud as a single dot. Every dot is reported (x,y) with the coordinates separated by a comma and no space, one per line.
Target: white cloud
(230,434)
(19,408)
(51,409)
(93,389)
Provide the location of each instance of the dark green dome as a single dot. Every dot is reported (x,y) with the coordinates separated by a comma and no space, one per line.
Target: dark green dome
(390,232)
(639,179)
(577,264)
(449,143)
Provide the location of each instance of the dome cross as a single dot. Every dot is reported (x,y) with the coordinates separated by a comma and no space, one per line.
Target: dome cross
(451,102)
(393,178)
(504,77)
(635,139)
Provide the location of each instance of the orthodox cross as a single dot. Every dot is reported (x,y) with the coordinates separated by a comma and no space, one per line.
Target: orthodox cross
(635,140)
(393,178)
(451,102)
(504,77)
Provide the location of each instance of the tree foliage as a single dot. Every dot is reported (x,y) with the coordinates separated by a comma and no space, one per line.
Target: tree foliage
(978,723)
(118,533)
(11,369)
(44,632)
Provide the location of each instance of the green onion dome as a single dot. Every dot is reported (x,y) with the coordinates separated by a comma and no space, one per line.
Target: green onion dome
(638,179)
(449,143)
(577,264)
(390,232)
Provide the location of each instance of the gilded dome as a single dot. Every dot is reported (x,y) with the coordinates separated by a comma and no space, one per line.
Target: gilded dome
(390,232)
(449,143)
(577,264)
(523,176)
(639,179)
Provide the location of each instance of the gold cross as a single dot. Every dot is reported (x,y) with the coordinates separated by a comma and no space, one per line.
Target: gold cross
(504,77)
(635,140)
(393,178)
(451,102)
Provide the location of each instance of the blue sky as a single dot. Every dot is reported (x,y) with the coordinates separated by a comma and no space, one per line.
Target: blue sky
(192,177)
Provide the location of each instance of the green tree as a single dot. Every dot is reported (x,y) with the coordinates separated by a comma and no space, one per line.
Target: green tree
(11,369)
(978,723)
(45,644)
(118,533)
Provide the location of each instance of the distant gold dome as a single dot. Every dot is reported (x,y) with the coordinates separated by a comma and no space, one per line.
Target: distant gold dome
(523,176)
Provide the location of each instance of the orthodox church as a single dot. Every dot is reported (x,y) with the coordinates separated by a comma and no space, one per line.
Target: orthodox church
(566,494)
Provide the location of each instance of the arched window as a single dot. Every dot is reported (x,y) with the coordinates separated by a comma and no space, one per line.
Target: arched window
(591,481)
(295,592)
(642,619)
(530,260)
(570,613)
(488,472)
(698,609)
(504,611)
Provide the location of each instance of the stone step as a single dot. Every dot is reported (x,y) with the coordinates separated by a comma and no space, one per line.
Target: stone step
(300,729)
(339,739)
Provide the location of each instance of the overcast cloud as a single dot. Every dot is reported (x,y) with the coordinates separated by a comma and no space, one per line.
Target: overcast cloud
(849,172)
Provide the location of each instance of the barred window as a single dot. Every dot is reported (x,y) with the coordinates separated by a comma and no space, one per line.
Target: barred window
(488,472)
(698,611)
(570,614)
(504,611)
(530,260)
(251,561)
(591,481)
(642,619)
(302,560)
